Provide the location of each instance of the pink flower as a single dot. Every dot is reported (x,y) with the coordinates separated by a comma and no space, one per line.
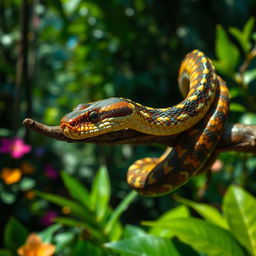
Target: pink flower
(50,172)
(15,147)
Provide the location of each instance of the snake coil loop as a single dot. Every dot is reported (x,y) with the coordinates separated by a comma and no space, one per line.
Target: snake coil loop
(200,118)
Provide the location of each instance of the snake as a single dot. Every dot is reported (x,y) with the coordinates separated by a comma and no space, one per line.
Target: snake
(199,120)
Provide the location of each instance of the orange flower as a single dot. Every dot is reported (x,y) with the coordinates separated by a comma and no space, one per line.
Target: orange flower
(10,176)
(35,247)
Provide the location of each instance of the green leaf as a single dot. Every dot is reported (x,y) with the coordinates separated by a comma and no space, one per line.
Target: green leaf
(76,209)
(76,189)
(248,28)
(26,184)
(64,239)
(249,76)
(248,118)
(47,234)
(144,245)
(116,232)
(15,234)
(236,92)
(120,209)
(100,193)
(236,107)
(204,237)
(239,37)
(239,209)
(178,212)
(5,253)
(226,52)
(206,211)
(5,132)
(83,246)
(74,223)
(7,198)
(243,37)
(131,231)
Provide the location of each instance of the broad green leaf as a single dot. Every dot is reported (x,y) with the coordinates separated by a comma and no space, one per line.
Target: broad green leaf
(204,237)
(178,212)
(239,208)
(100,193)
(15,234)
(47,234)
(94,232)
(76,208)
(132,231)
(144,245)
(76,189)
(120,209)
(206,211)
(226,52)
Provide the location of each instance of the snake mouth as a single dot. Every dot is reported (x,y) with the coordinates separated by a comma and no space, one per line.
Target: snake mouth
(82,130)
(79,130)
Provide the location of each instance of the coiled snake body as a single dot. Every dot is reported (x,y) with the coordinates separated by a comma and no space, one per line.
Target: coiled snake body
(200,118)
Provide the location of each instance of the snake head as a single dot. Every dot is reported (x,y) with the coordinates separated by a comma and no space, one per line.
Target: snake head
(100,117)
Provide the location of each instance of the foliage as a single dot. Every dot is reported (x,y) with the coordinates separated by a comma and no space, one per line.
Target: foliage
(231,233)
(81,51)
(228,234)
(91,210)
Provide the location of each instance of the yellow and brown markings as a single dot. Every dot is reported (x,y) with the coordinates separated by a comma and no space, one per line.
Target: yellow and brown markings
(167,168)
(180,106)
(201,87)
(163,119)
(192,160)
(145,114)
(193,98)
(180,150)
(200,116)
(182,116)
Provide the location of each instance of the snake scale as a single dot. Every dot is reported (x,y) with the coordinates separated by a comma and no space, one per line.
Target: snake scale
(199,119)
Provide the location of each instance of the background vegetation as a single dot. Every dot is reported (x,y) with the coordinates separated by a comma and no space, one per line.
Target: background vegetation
(80,51)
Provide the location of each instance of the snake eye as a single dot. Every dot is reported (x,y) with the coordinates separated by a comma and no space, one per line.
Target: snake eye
(94,117)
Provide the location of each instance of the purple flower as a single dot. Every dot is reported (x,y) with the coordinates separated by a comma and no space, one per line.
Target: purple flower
(15,147)
(48,217)
(50,172)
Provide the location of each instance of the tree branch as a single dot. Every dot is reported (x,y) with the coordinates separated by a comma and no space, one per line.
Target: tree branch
(236,137)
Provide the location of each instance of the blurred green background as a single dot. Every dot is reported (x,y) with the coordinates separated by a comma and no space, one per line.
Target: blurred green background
(81,51)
